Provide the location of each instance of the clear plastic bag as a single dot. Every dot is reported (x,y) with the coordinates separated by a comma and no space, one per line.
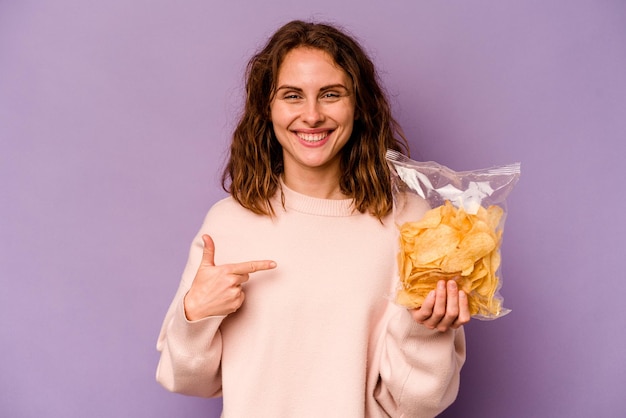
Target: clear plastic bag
(450,227)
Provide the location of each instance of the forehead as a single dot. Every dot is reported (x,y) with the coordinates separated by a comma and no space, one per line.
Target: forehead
(310,64)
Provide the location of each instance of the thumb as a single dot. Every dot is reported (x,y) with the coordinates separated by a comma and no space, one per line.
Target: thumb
(208,253)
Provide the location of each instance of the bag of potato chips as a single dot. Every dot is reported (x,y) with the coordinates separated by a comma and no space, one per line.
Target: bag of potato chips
(450,227)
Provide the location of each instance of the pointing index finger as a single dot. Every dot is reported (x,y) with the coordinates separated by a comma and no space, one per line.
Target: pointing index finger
(253,266)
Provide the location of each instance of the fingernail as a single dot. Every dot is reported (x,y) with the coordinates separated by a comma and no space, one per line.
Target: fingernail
(272,264)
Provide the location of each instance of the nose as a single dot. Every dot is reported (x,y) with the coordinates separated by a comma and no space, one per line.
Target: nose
(312,113)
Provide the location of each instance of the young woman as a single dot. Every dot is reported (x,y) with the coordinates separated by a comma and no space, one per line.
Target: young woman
(284,308)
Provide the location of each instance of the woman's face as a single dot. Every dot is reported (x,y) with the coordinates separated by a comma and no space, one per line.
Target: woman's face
(312,112)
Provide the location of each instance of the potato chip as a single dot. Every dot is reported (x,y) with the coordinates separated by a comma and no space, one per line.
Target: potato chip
(450,244)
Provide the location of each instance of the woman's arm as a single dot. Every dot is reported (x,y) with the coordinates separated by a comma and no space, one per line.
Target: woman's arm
(190,350)
(419,365)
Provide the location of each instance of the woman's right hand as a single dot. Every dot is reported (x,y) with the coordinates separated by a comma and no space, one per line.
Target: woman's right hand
(216,290)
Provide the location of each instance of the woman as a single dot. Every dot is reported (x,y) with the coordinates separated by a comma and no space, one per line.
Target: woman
(284,305)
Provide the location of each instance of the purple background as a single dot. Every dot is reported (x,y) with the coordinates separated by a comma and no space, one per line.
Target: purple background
(114,117)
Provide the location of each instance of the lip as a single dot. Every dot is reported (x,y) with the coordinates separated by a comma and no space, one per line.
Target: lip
(313,137)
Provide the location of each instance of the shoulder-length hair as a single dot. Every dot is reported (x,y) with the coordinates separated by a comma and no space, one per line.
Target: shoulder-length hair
(252,174)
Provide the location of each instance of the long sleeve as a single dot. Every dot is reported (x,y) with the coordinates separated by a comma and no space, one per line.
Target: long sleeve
(317,335)
(190,350)
(419,368)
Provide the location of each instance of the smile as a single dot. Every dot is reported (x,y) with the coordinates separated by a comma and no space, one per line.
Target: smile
(313,137)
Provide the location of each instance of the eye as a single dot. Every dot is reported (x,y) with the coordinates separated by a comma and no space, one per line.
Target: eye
(330,96)
(291,96)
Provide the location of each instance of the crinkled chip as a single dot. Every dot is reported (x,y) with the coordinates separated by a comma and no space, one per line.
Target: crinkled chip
(450,244)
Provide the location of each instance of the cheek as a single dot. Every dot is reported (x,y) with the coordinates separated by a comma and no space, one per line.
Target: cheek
(281,133)
(349,120)
(279,117)
(274,111)
(351,113)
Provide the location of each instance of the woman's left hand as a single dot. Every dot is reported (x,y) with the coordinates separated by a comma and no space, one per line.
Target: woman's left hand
(444,308)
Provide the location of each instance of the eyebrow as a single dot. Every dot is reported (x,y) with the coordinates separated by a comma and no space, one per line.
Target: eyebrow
(329,87)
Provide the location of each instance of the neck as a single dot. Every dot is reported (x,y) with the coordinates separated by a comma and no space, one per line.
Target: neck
(319,186)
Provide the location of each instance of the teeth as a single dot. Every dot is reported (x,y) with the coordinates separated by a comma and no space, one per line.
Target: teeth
(312,137)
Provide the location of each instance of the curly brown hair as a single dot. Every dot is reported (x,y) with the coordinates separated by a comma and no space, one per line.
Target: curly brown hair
(255,149)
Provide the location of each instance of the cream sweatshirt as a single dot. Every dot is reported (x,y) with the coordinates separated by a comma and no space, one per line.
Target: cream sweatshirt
(318,336)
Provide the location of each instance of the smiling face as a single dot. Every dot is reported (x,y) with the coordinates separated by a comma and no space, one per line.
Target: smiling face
(312,113)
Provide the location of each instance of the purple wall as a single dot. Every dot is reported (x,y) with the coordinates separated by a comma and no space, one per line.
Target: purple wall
(113,122)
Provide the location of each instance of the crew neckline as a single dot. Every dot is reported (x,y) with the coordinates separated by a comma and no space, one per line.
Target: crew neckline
(314,205)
